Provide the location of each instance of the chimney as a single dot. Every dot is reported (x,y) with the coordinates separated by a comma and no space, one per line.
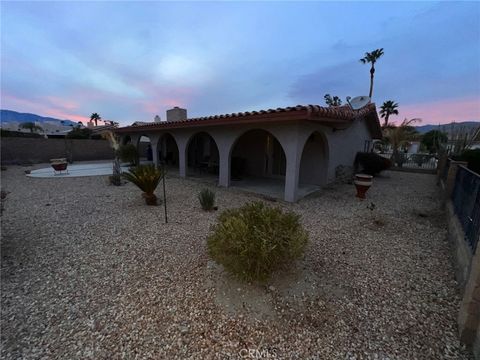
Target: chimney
(157,119)
(176,114)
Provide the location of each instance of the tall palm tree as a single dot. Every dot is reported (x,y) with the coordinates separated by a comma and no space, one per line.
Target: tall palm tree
(388,108)
(95,117)
(371,58)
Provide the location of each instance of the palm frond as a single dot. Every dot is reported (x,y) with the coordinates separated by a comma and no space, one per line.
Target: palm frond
(145,177)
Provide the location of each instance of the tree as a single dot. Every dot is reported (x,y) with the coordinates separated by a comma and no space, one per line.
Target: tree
(434,140)
(79,133)
(332,101)
(388,108)
(31,126)
(371,58)
(95,117)
(400,136)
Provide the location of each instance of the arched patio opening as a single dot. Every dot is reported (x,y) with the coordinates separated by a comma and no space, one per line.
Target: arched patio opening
(168,151)
(126,140)
(144,148)
(314,162)
(202,155)
(258,163)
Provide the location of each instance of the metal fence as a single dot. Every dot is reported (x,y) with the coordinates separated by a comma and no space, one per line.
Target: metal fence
(446,166)
(413,161)
(466,202)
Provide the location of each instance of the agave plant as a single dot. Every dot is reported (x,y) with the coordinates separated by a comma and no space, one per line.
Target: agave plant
(147,178)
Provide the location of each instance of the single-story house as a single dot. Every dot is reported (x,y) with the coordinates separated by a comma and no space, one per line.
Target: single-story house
(295,149)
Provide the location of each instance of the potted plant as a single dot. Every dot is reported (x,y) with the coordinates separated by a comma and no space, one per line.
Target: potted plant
(147,178)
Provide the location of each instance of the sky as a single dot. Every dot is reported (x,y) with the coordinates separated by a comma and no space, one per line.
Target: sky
(129,61)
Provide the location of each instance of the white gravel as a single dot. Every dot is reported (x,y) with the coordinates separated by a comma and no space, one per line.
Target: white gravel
(90,272)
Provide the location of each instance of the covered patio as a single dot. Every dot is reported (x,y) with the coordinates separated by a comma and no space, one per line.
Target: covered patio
(285,153)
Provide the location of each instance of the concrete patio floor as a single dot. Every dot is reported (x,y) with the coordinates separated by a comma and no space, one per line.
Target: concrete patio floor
(271,187)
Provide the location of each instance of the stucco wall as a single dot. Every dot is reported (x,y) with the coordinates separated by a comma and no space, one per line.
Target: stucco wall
(344,145)
(37,150)
(340,149)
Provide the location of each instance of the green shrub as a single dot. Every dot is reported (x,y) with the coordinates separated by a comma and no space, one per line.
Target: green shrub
(371,163)
(79,133)
(255,240)
(472,157)
(207,199)
(147,178)
(128,153)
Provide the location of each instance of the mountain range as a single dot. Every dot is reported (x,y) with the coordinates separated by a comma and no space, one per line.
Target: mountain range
(9,116)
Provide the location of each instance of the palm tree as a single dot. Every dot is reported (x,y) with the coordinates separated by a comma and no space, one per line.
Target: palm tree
(332,101)
(399,136)
(31,126)
(95,117)
(371,58)
(388,108)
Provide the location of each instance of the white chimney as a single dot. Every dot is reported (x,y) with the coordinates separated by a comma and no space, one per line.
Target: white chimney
(157,119)
(176,114)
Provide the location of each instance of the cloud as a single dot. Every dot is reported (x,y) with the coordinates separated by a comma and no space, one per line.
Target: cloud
(443,111)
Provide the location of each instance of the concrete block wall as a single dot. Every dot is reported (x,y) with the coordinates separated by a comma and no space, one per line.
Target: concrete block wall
(39,150)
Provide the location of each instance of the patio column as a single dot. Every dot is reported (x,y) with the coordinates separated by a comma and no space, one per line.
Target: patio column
(154,145)
(182,156)
(292,172)
(224,168)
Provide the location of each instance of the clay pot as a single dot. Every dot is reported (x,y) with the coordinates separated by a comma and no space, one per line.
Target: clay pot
(362,183)
(150,199)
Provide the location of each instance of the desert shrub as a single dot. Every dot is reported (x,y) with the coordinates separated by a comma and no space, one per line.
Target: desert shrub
(128,153)
(207,199)
(255,240)
(371,163)
(147,178)
(79,133)
(472,157)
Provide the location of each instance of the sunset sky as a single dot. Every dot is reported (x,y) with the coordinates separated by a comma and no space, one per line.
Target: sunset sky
(130,61)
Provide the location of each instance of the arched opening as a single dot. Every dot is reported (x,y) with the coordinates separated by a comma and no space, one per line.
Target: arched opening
(202,156)
(126,140)
(258,163)
(144,148)
(168,151)
(314,163)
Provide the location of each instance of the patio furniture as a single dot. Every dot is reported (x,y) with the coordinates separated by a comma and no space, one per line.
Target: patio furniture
(59,165)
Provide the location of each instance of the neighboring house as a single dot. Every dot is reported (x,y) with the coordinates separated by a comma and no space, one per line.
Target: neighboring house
(298,148)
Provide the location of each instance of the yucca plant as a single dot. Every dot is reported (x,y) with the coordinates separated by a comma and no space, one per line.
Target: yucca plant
(207,199)
(147,178)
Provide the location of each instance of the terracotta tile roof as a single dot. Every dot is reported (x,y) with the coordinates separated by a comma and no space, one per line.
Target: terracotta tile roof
(336,114)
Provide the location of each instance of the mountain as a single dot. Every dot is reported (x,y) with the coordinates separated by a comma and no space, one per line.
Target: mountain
(465,126)
(9,116)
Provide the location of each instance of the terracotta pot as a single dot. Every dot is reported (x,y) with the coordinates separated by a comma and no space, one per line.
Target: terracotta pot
(150,199)
(362,183)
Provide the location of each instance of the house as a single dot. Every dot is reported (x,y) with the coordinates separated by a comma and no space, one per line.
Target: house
(295,150)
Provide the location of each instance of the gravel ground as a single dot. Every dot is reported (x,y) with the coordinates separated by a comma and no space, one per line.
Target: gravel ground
(90,272)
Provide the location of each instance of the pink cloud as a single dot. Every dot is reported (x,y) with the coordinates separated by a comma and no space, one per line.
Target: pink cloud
(40,108)
(442,112)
